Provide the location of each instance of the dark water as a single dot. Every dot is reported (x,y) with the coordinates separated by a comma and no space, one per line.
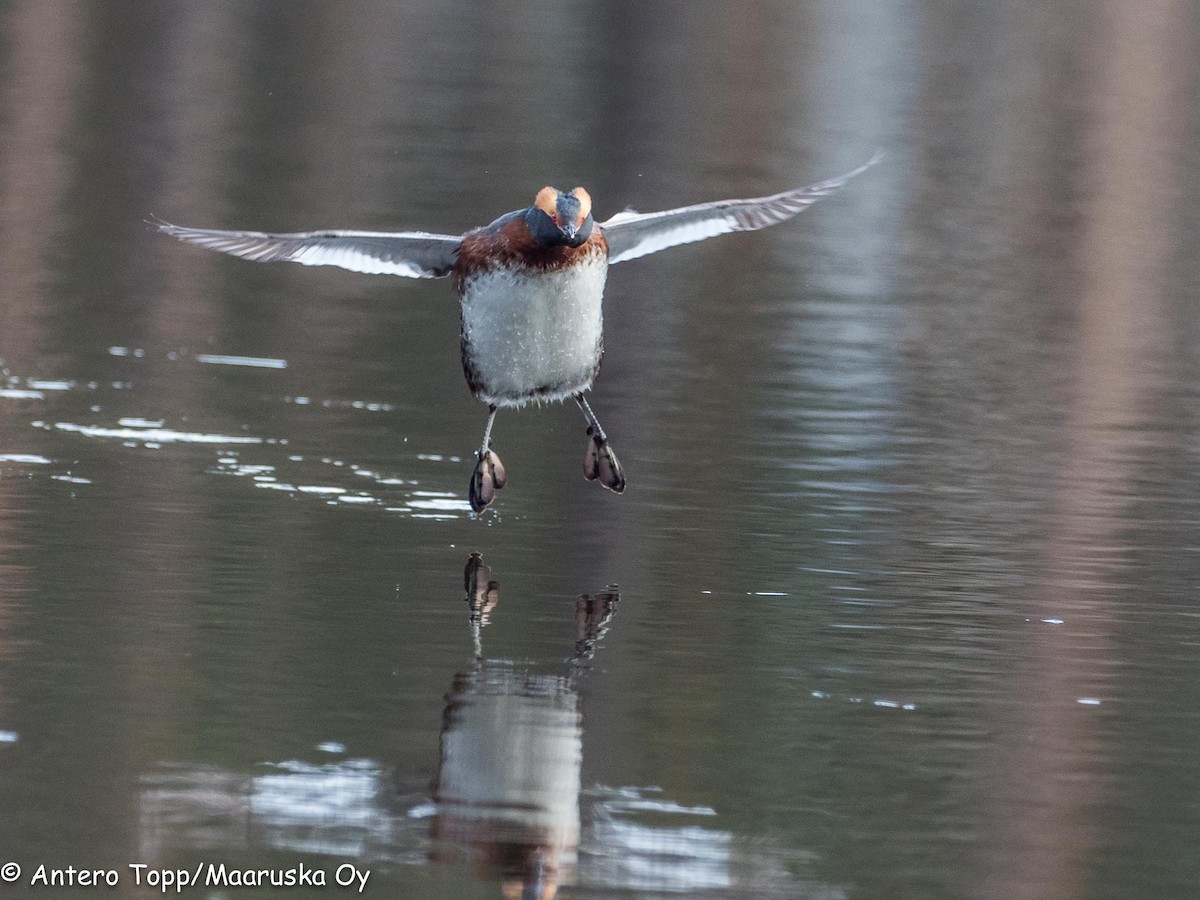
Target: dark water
(907,569)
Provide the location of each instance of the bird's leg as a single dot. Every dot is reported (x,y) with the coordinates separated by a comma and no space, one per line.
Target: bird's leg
(488,476)
(599,462)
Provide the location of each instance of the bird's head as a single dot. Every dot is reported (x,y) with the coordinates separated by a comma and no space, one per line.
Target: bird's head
(557,219)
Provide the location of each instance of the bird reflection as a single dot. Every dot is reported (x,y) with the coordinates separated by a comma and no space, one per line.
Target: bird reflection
(506,794)
(508,780)
(482,596)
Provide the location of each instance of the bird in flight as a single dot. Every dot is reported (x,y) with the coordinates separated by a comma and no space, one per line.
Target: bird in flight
(530,287)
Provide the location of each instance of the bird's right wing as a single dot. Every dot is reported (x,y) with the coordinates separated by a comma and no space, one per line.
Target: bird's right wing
(631,234)
(412,254)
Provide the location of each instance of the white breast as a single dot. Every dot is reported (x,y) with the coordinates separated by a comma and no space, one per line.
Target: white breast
(533,336)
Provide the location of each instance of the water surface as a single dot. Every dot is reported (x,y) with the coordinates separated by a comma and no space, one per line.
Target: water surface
(900,601)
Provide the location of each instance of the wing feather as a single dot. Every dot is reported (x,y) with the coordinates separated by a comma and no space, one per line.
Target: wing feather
(412,254)
(631,234)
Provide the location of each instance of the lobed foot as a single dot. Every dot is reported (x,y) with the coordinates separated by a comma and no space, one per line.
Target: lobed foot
(487,478)
(600,463)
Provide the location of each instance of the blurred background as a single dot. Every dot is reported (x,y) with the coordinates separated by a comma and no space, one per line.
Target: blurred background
(901,599)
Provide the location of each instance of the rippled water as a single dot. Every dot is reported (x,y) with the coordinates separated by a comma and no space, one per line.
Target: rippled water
(900,601)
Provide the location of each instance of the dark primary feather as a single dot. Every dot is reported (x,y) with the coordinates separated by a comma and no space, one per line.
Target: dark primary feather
(631,234)
(413,254)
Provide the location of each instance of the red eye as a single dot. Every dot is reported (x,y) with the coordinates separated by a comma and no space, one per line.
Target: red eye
(554,218)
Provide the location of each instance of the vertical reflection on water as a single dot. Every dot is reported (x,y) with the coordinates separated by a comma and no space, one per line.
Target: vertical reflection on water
(1047,786)
(13,586)
(507,788)
(43,75)
(508,780)
(509,798)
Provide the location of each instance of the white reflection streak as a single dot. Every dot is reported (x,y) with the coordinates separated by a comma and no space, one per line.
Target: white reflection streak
(256,362)
(156,435)
(333,809)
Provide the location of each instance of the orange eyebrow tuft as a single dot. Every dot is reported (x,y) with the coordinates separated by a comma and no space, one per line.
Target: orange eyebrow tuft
(547,201)
(585,202)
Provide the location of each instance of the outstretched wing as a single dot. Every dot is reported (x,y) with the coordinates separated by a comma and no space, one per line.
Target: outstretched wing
(632,234)
(413,254)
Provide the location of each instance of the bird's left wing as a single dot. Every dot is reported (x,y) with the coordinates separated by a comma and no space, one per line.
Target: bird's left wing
(631,234)
(413,254)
